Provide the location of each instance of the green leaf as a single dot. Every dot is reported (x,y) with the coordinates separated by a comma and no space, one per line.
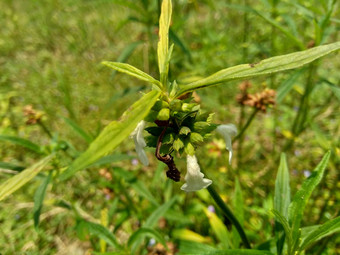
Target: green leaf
(178,144)
(265,67)
(238,252)
(300,199)
(288,231)
(81,132)
(163,44)
(186,234)
(282,189)
(5,165)
(141,233)
(111,159)
(287,85)
(113,134)
(196,137)
(238,203)
(19,180)
(330,227)
(22,142)
(219,229)
(133,71)
(126,53)
(101,232)
(158,213)
(39,199)
(190,247)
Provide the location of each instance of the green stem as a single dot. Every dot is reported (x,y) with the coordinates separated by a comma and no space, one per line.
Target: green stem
(227,212)
(42,125)
(246,125)
(240,143)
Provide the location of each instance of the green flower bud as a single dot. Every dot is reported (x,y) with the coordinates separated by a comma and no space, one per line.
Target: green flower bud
(163,114)
(160,104)
(176,105)
(184,130)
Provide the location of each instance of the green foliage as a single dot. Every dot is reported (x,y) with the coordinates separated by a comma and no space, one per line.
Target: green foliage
(13,184)
(113,134)
(55,99)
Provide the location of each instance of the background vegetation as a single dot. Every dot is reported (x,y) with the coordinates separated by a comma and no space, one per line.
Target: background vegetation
(50,54)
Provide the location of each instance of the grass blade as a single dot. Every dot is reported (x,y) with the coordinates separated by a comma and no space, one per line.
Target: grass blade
(39,197)
(19,180)
(330,227)
(22,142)
(133,71)
(100,231)
(301,198)
(265,67)
(219,229)
(81,132)
(113,134)
(159,212)
(141,233)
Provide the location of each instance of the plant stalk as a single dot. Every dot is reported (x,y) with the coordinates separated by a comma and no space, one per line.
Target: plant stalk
(249,121)
(228,213)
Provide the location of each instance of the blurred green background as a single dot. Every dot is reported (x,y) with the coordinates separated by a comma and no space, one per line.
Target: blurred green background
(50,55)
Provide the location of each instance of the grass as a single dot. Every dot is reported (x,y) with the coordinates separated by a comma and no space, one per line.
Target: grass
(50,54)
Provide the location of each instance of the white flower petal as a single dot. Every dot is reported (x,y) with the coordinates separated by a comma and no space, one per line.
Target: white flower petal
(194,178)
(137,136)
(228,131)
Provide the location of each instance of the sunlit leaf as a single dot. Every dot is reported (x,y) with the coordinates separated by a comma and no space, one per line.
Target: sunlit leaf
(330,227)
(264,67)
(133,71)
(301,198)
(113,134)
(19,180)
(163,44)
(219,229)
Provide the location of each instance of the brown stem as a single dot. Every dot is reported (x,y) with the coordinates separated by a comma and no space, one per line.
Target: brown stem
(167,159)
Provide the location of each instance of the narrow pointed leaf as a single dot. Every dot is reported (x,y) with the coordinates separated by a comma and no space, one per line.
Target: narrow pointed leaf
(102,232)
(301,198)
(265,67)
(322,231)
(131,70)
(238,252)
(159,212)
(141,233)
(19,180)
(282,189)
(163,44)
(81,132)
(113,134)
(39,199)
(22,142)
(284,222)
(219,229)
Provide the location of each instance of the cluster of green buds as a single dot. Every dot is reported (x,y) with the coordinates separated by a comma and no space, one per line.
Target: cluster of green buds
(179,126)
(187,126)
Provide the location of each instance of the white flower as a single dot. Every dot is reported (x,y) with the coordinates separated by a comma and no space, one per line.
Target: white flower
(228,131)
(138,138)
(194,178)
